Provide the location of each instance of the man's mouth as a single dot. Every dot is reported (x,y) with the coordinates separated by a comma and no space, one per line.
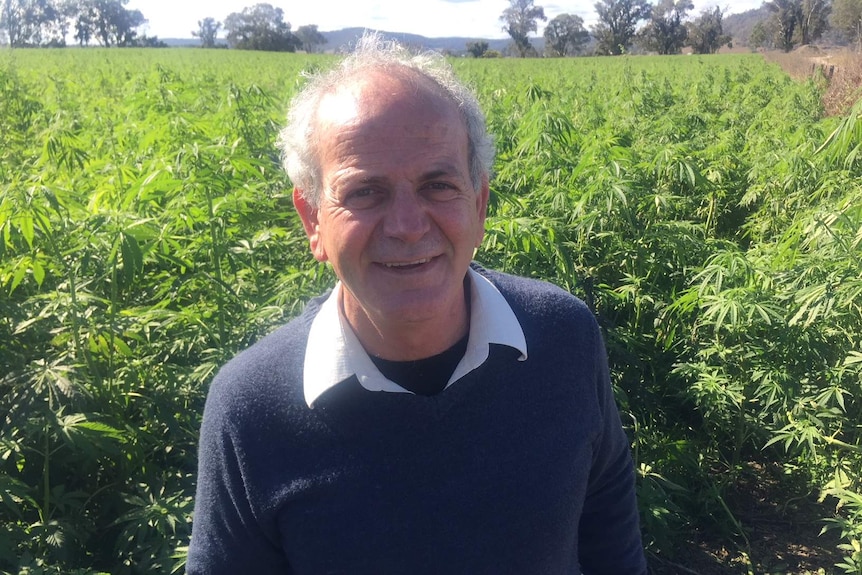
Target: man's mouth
(406,265)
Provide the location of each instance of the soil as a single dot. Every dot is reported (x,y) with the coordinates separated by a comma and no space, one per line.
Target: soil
(782,525)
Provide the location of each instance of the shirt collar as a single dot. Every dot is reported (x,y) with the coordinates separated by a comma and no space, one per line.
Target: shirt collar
(333,352)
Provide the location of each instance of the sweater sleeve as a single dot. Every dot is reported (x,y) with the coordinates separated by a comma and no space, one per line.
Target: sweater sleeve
(610,539)
(227,537)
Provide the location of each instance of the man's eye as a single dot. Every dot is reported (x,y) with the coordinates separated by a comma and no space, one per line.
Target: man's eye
(363,198)
(441,191)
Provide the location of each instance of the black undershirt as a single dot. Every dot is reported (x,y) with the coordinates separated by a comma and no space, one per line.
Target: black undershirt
(424,376)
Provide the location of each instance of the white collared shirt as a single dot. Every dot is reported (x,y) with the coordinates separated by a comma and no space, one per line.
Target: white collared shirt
(334,353)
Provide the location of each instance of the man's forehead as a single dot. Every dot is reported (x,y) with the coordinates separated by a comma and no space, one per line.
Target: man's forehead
(337,108)
(378,92)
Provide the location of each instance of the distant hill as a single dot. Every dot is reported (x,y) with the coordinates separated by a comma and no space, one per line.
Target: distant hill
(739,26)
(181,41)
(339,40)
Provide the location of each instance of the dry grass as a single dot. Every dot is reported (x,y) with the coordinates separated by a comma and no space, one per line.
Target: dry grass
(839,69)
(845,88)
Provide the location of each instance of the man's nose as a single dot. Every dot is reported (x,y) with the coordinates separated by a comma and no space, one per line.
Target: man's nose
(406,217)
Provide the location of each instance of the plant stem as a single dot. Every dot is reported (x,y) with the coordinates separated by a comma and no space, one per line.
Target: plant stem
(216,261)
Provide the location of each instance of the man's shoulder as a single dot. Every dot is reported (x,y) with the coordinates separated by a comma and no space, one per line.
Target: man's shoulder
(271,364)
(293,334)
(531,294)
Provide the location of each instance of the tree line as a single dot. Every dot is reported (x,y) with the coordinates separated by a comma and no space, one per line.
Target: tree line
(799,22)
(620,26)
(29,23)
(51,22)
(666,27)
(260,27)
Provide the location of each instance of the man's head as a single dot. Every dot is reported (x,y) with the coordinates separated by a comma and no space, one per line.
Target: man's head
(395,199)
(299,139)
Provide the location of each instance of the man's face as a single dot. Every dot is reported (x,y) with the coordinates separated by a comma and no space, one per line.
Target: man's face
(399,217)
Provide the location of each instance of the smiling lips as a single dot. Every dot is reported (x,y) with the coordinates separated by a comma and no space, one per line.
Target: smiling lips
(397,265)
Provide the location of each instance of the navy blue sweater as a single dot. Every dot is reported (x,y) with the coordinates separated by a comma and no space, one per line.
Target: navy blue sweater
(519,467)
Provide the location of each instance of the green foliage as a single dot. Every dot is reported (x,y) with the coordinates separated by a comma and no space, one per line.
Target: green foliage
(132,267)
(714,227)
(702,207)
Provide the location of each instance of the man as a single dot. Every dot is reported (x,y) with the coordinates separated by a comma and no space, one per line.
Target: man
(426,415)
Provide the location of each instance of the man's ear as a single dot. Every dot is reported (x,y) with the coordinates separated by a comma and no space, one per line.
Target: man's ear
(309,216)
(482,196)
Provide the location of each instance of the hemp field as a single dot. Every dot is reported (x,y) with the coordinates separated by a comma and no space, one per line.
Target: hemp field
(704,207)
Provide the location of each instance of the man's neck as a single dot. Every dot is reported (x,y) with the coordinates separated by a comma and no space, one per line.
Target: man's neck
(396,340)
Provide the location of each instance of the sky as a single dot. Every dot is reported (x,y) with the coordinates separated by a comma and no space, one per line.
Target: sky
(430,18)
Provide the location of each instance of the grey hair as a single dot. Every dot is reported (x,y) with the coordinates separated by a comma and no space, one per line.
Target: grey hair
(298,140)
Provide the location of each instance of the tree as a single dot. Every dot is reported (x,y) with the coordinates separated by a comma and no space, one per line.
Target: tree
(32,22)
(519,19)
(261,27)
(665,32)
(207,31)
(108,21)
(124,24)
(310,38)
(705,33)
(813,19)
(145,41)
(618,20)
(84,22)
(761,36)
(565,35)
(847,18)
(477,49)
(785,15)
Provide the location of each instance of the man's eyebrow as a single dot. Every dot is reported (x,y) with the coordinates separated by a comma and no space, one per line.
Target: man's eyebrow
(357,177)
(443,170)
